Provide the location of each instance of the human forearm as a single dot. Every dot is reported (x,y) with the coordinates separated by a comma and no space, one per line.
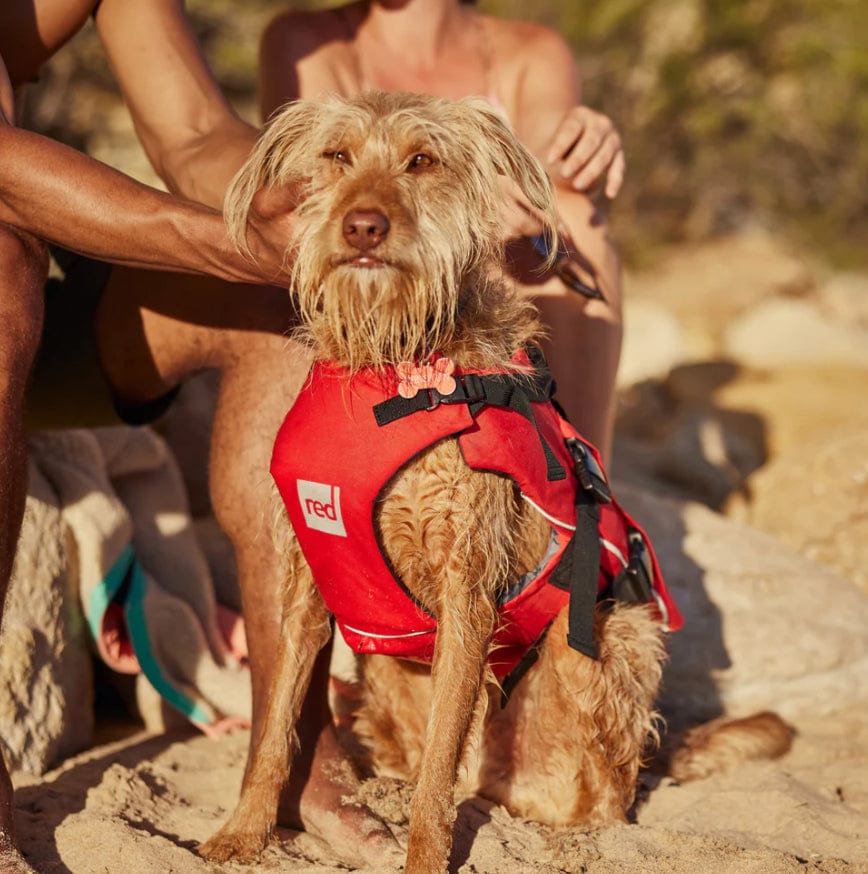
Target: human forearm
(202,167)
(66,198)
(193,138)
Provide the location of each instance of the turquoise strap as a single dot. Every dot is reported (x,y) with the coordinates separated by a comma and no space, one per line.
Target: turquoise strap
(103,594)
(138,628)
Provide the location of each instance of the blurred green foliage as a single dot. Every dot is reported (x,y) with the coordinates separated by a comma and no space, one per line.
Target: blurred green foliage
(732,111)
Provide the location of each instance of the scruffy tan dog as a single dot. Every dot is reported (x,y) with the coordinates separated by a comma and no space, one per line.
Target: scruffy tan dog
(401,296)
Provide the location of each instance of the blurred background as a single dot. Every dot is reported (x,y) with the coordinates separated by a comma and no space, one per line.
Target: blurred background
(734,112)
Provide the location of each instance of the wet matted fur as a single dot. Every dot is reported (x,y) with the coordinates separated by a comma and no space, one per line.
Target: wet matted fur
(425,175)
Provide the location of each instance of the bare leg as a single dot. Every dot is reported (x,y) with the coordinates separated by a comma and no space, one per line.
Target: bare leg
(23,268)
(153,332)
(584,336)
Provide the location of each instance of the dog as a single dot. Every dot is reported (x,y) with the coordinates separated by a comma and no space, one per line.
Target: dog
(419,341)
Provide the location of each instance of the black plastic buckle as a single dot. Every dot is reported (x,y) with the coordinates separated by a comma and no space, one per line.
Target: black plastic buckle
(640,571)
(469,389)
(590,474)
(434,399)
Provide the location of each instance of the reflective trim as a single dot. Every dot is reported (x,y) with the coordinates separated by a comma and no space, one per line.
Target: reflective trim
(387,636)
(607,544)
(664,610)
(553,519)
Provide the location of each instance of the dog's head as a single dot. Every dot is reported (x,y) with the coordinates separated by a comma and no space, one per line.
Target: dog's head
(399,215)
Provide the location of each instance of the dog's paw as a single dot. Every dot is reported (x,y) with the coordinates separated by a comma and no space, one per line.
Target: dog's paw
(233,846)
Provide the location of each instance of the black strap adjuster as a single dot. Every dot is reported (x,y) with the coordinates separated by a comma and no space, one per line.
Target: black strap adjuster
(590,474)
(469,389)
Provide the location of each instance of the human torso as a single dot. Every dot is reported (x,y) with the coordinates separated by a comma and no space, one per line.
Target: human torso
(477,61)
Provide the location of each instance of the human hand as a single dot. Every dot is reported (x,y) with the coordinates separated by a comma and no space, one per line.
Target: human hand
(588,149)
(519,217)
(270,228)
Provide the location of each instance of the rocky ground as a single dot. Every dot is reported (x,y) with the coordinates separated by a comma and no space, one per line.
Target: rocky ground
(743,446)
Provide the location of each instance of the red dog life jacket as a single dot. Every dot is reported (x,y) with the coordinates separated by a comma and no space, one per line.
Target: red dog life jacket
(344,439)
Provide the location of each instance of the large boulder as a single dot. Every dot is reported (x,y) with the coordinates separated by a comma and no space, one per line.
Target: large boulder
(654,342)
(814,496)
(783,331)
(765,627)
(46,686)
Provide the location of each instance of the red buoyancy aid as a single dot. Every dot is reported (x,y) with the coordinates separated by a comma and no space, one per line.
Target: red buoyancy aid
(333,458)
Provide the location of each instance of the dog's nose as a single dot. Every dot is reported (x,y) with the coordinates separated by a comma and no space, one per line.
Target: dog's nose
(365,228)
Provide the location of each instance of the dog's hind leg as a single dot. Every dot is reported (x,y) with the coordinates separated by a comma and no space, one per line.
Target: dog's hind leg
(567,748)
(304,631)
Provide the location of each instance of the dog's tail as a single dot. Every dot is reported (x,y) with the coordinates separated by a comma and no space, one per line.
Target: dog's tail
(720,745)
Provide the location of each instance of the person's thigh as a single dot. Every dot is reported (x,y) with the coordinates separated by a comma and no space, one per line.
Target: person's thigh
(23,265)
(154,329)
(23,268)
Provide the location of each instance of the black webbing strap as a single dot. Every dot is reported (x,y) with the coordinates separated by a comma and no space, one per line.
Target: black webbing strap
(578,571)
(517,392)
(528,660)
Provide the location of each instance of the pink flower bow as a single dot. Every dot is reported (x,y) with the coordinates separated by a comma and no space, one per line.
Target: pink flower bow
(436,374)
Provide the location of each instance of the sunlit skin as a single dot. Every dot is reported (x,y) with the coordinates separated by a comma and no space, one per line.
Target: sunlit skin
(447,49)
(154,330)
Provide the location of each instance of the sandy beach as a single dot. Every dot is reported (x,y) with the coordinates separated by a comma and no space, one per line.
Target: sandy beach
(695,434)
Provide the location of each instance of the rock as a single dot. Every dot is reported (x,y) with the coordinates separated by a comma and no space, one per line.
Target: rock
(765,628)
(813,497)
(653,342)
(46,687)
(785,331)
(708,286)
(797,404)
(186,427)
(672,433)
(844,297)
(704,430)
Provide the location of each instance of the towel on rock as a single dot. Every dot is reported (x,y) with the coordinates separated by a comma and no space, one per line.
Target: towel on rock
(145,586)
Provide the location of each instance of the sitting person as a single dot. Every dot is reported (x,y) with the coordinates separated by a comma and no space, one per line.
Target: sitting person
(447,48)
(114,341)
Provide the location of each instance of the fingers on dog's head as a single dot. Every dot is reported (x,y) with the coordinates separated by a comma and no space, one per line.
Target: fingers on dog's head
(277,159)
(494,141)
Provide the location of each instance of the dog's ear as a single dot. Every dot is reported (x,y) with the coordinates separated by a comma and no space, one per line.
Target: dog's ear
(516,162)
(275,160)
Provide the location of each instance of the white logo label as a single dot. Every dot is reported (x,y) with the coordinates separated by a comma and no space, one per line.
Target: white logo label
(321,505)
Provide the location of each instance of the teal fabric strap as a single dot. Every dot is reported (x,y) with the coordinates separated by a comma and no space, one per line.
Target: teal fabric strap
(138,628)
(103,594)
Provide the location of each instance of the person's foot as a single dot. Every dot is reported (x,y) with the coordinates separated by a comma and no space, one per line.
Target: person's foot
(322,800)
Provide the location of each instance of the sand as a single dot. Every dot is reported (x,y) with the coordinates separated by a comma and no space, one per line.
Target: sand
(142,803)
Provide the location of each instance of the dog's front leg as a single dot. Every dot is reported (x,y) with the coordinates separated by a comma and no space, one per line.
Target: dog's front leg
(304,631)
(463,635)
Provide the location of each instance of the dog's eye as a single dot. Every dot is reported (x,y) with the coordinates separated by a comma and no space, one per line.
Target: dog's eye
(420,162)
(338,155)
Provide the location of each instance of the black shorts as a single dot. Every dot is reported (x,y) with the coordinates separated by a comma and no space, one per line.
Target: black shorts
(68,387)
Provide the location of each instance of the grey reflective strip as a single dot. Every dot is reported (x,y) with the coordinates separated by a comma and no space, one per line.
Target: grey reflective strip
(387,636)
